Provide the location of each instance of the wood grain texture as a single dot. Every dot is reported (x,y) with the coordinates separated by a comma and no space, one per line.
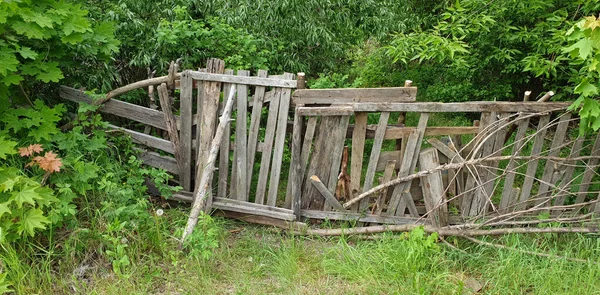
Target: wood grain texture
(508,191)
(433,189)
(185,113)
(284,106)
(224,152)
(532,167)
(286,82)
(257,107)
(326,193)
(354,95)
(337,142)
(165,104)
(146,139)
(589,173)
(241,140)
(265,163)
(358,148)
(326,111)
(476,107)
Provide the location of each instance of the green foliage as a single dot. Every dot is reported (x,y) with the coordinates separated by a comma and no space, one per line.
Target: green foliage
(40,37)
(585,51)
(195,41)
(205,238)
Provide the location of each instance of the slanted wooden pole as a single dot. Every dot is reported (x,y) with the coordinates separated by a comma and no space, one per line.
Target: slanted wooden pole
(546,96)
(201,193)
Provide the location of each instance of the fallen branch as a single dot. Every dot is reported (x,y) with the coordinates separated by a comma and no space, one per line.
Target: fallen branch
(444,231)
(133,86)
(456,166)
(524,251)
(201,191)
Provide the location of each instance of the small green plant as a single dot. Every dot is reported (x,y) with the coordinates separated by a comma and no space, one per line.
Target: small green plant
(205,238)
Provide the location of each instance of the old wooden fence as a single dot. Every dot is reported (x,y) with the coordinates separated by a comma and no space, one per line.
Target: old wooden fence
(292,155)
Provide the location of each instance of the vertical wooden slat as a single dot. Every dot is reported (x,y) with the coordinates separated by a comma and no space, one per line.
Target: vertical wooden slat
(257,105)
(567,180)
(295,181)
(406,199)
(224,151)
(337,142)
(493,147)
(555,148)
(374,158)
(589,173)
(305,152)
(263,174)
(185,115)
(433,188)
(165,105)
(471,185)
(358,148)
(241,139)
(284,106)
(210,104)
(199,102)
(532,167)
(519,141)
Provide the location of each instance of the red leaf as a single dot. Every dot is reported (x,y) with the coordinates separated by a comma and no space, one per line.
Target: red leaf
(30,150)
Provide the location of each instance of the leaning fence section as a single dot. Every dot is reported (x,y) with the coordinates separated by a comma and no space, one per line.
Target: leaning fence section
(368,156)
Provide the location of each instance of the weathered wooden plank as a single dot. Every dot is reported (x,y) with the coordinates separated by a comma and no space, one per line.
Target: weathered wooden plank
(482,196)
(326,111)
(354,95)
(165,104)
(358,148)
(567,180)
(241,139)
(329,198)
(352,216)
(433,188)
(405,198)
(199,103)
(304,152)
(146,139)
(284,106)
(387,176)
(293,198)
(508,191)
(157,161)
(477,145)
(320,162)
(477,107)
(224,151)
(265,163)
(555,148)
(387,156)
(236,201)
(119,108)
(375,151)
(287,82)
(444,149)
(489,173)
(337,141)
(210,104)
(411,147)
(532,167)
(251,208)
(185,114)
(257,106)
(589,172)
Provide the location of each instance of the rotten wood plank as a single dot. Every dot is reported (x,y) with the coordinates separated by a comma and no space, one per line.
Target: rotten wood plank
(532,167)
(185,113)
(257,106)
(358,148)
(508,200)
(265,163)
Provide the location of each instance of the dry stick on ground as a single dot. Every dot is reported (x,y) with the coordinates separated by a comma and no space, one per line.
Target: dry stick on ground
(445,231)
(201,191)
(524,251)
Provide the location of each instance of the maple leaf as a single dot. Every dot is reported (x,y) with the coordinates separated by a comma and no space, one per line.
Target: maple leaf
(27,195)
(30,150)
(4,208)
(7,147)
(31,220)
(49,162)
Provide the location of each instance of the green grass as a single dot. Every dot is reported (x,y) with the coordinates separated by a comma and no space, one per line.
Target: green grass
(258,260)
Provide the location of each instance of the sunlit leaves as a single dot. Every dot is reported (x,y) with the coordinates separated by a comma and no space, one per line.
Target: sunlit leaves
(32,220)
(7,147)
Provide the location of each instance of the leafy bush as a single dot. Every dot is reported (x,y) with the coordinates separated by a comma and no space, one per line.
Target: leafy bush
(41,37)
